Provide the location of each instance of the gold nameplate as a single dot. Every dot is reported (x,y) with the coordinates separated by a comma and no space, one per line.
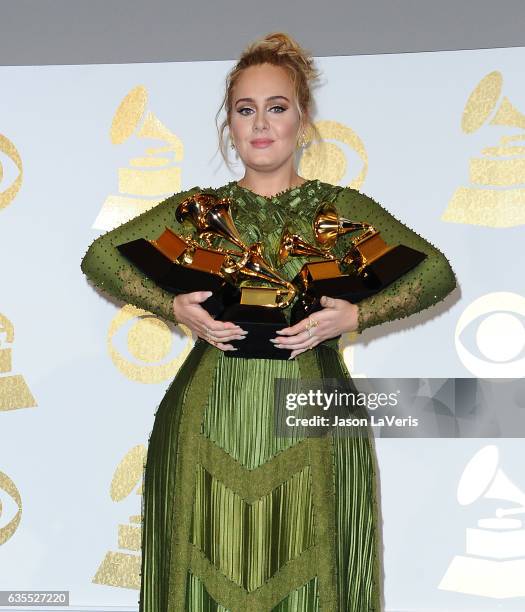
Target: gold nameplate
(259,296)
(170,244)
(372,248)
(207,260)
(319,270)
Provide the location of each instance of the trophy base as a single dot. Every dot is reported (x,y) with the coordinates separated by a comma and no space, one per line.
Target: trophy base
(177,279)
(354,288)
(261,323)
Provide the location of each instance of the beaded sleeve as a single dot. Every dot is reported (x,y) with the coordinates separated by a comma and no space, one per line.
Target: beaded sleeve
(113,274)
(425,285)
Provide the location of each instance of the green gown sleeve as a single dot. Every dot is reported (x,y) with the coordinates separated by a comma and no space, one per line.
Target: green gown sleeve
(425,285)
(113,274)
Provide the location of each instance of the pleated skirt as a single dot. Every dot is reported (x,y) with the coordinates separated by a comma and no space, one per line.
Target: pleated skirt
(236,518)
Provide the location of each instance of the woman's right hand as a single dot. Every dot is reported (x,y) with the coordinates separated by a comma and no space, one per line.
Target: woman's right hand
(188,311)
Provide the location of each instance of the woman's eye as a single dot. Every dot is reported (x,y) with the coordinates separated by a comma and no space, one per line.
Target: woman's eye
(245,110)
(278,109)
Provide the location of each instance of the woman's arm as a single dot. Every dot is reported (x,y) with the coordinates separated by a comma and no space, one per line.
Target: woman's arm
(421,287)
(111,272)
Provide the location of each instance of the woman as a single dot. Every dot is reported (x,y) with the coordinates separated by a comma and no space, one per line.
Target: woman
(234,517)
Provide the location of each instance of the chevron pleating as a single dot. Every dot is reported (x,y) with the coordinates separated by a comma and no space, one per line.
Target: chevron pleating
(249,542)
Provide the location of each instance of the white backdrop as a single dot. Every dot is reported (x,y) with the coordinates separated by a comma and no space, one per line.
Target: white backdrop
(81,376)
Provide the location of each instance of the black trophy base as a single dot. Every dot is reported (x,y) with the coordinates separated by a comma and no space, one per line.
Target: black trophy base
(177,279)
(354,288)
(261,323)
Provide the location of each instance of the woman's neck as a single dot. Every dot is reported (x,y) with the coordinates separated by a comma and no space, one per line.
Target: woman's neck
(269,183)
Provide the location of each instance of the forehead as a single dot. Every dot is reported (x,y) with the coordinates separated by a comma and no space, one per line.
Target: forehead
(263,81)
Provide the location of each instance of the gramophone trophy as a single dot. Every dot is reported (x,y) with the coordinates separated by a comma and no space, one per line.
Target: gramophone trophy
(369,265)
(259,307)
(316,278)
(181,265)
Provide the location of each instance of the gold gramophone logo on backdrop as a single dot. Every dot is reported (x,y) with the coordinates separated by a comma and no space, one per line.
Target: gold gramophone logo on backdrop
(494,561)
(9,149)
(142,186)
(9,487)
(122,568)
(14,392)
(494,197)
(150,177)
(149,342)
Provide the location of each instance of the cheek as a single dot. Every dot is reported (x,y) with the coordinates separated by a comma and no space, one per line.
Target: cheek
(288,127)
(236,127)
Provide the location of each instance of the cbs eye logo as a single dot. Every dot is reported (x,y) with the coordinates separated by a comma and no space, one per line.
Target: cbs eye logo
(327,160)
(8,148)
(493,325)
(10,504)
(144,348)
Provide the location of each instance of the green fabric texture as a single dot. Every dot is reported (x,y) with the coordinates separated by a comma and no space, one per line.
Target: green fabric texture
(234,517)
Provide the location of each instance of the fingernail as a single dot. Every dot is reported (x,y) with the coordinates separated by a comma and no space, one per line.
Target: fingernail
(273,339)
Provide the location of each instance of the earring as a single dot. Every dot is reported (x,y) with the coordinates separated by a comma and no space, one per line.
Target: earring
(232,145)
(302,141)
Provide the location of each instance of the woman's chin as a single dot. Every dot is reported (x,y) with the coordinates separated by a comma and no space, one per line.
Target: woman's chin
(266,162)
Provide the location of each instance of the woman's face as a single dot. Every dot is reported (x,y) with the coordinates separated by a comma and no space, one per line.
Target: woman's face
(265,121)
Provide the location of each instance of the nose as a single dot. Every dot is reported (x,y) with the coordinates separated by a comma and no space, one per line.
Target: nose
(260,121)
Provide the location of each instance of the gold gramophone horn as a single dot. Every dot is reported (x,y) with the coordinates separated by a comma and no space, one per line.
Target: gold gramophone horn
(218,261)
(294,245)
(211,217)
(256,267)
(328,225)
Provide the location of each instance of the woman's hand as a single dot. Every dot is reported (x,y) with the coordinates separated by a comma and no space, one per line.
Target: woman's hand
(188,311)
(337,317)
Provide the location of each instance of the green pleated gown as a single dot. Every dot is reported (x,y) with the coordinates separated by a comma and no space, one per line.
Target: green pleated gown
(235,518)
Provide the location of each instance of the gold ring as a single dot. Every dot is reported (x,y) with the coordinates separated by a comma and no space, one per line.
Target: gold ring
(311,323)
(308,329)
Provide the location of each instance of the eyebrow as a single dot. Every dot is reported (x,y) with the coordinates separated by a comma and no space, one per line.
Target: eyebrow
(267,99)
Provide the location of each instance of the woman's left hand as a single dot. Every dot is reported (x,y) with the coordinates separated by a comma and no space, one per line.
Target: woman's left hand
(336,317)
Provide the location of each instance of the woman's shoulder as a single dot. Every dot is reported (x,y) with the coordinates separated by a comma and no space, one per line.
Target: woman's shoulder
(352,196)
(342,191)
(344,195)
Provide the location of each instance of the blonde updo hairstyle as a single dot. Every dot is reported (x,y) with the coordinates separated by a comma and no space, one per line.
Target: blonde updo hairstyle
(277,49)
